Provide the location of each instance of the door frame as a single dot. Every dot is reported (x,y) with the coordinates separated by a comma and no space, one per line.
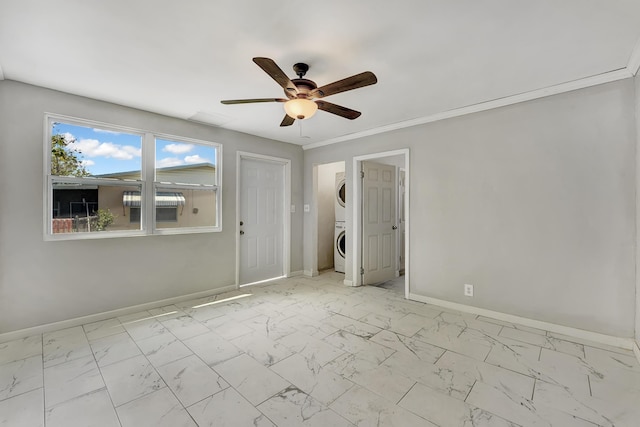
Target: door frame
(286,201)
(314,217)
(356,253)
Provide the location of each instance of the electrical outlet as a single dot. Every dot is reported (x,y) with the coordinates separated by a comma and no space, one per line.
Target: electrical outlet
(468,290)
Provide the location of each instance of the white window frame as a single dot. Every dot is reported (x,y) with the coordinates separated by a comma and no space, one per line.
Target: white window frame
(151,213)
(146,183)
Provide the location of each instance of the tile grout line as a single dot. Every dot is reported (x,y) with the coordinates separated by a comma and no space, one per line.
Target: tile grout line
(93,355)
(533,390)
(469,392)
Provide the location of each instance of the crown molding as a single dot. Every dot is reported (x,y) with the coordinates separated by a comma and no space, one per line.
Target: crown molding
(598,79)
(634,61)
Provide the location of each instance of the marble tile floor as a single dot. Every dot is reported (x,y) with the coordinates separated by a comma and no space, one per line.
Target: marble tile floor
(396,285)
(312,352)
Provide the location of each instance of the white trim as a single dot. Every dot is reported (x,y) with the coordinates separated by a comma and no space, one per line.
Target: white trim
(598,79)
(357,227)
(1,73)
(313,219)
(309,273)
(625,343)
(78,321)
(286,209)
(634,59)
(348,282)
(295,273)
(636,350)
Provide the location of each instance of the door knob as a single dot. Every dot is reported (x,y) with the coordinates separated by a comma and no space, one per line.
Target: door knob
(241,232)
(394,227)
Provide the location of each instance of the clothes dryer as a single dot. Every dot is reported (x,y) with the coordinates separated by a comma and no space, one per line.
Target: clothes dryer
(340,247)
(341,196)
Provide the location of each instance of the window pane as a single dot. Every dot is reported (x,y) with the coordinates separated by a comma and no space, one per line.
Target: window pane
(162,215)
(185,208)
(166,214)
(85,151)
(134,215)
(83,208)
(185,163)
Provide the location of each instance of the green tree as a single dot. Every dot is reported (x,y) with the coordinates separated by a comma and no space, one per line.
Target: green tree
(65,160)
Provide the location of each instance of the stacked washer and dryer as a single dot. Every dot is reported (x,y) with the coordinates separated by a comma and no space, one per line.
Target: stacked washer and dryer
(340,237)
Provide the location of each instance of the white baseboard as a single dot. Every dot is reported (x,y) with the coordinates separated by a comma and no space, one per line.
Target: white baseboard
(625,343)
(309,273)
(296,273)
(636,350)
(348,282)
(78,321)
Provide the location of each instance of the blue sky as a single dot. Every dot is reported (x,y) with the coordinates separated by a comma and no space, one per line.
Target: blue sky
(104,152)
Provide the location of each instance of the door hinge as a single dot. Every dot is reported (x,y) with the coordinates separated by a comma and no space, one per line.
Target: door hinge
(361,271)
(361,174)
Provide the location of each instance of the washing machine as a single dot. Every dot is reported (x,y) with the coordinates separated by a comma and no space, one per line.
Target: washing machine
(340,247)
(341,196)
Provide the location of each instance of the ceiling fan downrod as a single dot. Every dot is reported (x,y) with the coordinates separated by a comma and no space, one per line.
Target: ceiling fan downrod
(300,69)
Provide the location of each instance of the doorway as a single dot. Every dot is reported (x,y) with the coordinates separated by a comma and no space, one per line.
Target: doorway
(262,218)
(331,203)
(374,246)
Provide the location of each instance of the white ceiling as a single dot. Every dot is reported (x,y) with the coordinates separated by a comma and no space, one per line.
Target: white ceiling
(180,58)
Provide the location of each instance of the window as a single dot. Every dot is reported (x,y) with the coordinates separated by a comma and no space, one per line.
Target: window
(102,179)
(186,183)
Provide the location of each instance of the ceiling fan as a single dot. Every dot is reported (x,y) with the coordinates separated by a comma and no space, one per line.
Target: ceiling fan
(301,93)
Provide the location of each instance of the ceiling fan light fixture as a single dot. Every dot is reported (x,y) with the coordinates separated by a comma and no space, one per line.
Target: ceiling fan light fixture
(300,108)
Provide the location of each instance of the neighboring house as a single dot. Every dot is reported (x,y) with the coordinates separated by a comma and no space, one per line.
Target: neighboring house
(174,207)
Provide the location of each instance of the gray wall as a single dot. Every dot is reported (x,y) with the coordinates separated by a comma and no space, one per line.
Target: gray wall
(43,282)
(532,203)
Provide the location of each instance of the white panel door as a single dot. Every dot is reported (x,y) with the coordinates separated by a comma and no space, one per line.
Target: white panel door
(261,207)
(378,223)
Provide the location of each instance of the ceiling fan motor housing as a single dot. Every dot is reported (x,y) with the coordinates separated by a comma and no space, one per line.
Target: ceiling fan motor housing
(304,86)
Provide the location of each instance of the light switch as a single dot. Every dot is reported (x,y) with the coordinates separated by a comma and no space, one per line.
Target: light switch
(293,208)
(307,208)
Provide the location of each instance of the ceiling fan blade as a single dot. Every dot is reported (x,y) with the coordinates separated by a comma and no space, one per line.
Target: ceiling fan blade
(354,82)
(339,110)
(250,101)
(287,121)
(271,68)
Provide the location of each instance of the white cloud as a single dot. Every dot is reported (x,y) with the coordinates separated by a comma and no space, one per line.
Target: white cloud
(168,162)
(178,148)
(95,148)
(106,131)
(196,159)
(87,163)
(68,137)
